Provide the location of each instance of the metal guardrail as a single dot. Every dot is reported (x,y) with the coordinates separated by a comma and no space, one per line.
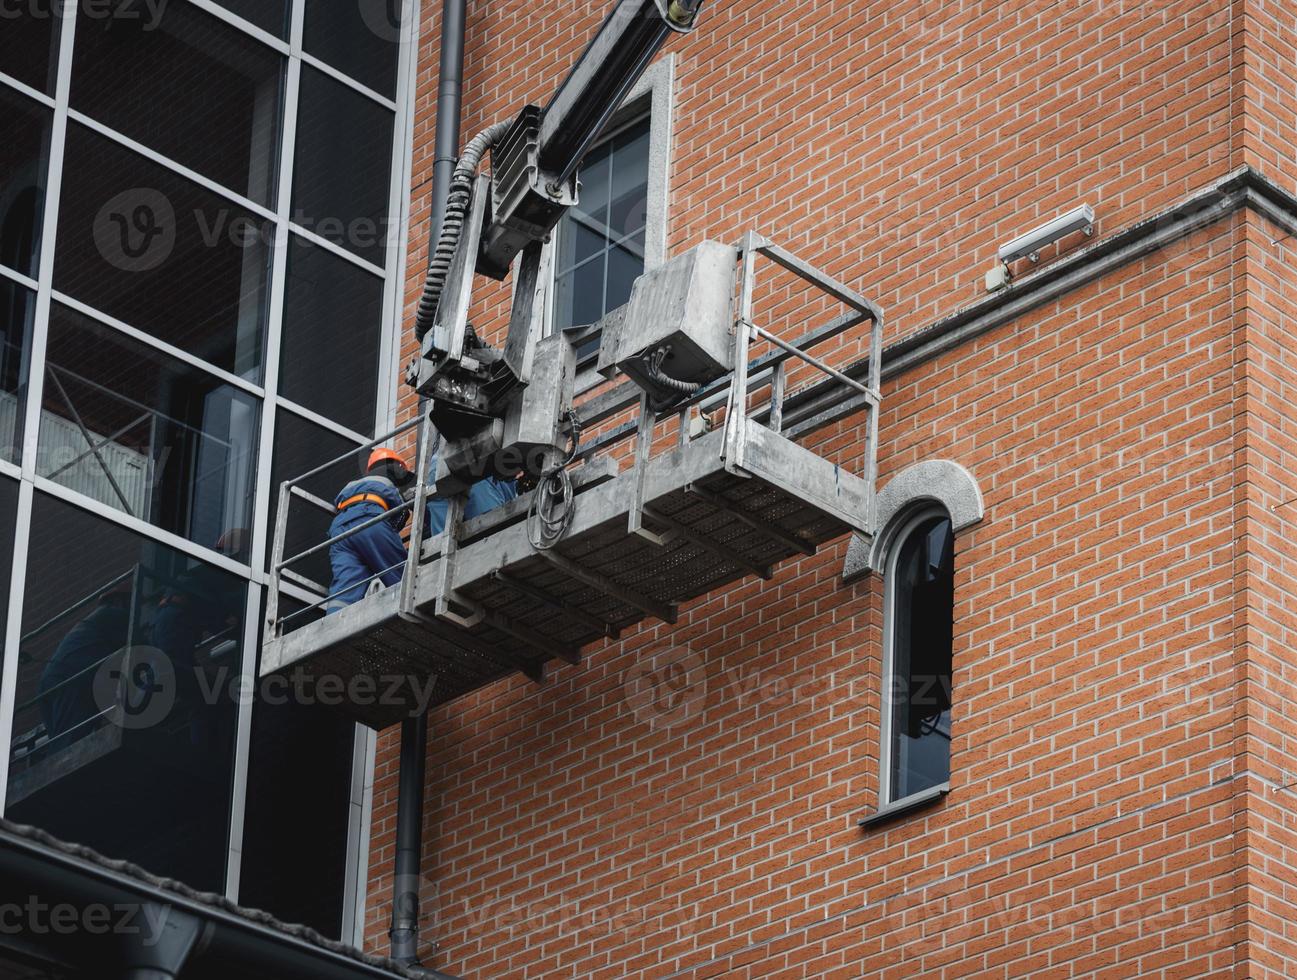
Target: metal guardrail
(747,331)
(139,573)
(609,404)
(280,567)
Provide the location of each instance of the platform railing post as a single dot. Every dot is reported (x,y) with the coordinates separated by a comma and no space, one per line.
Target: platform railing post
(736,411)
(778,381)
(276,559)
(643,449)
(414,551)
(445,579)
(875,406)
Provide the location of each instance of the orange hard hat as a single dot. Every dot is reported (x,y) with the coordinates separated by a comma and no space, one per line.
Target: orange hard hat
(382,454)
(233,541)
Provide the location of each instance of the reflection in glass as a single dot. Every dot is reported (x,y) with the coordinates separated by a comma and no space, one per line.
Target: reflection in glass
(600,250)
(17,321)
(123,733)
(162,254)
(305,804)
(24,161)
(344,162)
(361,38)
(145,433)
(221,108)
(332,325)
(922,591)
(269,15)
(29,39)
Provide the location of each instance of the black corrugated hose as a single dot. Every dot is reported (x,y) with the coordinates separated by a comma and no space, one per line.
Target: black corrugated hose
(653,368)
(457,203)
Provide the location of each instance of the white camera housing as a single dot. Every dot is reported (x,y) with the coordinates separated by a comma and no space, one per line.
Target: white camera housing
(1030,244)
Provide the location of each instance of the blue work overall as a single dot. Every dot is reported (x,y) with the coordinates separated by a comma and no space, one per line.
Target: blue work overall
(484,495)
(86,645)
(377,551)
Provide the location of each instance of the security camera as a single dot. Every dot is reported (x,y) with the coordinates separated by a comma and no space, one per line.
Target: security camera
(1078,219)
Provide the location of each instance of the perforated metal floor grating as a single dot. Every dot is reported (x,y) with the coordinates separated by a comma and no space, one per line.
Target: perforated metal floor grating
(726,527)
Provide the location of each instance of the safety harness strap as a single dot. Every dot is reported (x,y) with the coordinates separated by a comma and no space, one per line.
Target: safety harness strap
(361,498)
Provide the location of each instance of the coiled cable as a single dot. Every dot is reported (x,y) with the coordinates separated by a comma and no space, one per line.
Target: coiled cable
(458,199)
(653,368)
(551,510)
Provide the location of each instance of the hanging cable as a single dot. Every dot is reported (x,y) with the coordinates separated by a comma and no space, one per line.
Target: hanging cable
(551,510)
(653,368)
(457,203)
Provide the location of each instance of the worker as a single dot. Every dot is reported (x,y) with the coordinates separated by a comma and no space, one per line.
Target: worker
(377,551)
(67,683)
(196,623)
(485,495)
(201,604)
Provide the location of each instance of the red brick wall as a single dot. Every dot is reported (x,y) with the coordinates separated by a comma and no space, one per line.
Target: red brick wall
(1267,644)
(1113,630)
(1267,114)
(1090,819)
(895,145)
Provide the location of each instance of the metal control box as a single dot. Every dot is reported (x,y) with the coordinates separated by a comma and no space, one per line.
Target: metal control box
(534,421)
(682,308)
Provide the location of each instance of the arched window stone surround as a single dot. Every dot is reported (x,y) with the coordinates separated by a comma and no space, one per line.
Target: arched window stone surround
(940,481)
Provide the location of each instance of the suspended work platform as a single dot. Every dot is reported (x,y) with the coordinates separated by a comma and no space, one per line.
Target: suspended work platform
(647,534)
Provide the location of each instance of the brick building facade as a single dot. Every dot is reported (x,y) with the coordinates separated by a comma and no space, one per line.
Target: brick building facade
(1121,756)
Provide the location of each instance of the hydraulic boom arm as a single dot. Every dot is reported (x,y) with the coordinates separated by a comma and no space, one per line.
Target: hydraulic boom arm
(480,402)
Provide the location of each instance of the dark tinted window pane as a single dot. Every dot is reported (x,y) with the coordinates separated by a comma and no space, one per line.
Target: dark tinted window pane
(360,38)
(124,734)
(269,15)
(600,245)
(628,194)
(29,37)
(189,86)
(923,589)
(17,321)
(162,254)
(344,159)
(8,518)
(299,789)
(301,446)
(579,296)
(332,326)
(625,265)
(24,160)
(146,433)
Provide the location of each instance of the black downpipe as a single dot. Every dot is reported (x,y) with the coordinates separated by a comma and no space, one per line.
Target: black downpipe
(450,95)
(404,933)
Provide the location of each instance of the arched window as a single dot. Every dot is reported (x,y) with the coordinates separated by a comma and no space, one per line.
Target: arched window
(917,633)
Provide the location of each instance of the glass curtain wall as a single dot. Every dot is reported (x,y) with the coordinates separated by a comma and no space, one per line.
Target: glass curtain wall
(201,214)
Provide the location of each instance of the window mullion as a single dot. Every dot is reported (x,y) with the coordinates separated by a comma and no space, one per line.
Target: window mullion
(270,381)
(35,390)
